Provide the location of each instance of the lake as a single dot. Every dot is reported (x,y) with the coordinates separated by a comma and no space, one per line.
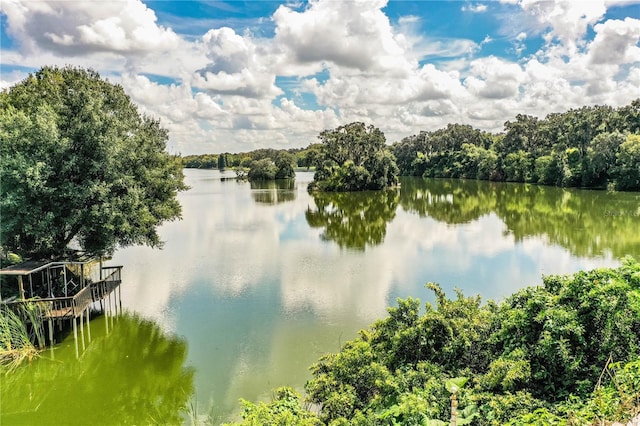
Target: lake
(259,280)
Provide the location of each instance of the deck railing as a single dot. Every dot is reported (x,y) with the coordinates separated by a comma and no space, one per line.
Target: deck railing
(105,286)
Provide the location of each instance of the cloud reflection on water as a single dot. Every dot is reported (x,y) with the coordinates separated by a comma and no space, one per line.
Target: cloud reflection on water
(260,295)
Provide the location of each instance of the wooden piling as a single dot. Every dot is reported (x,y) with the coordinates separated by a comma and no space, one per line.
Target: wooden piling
(51,342)
(88,326)
(75,336)
(82,330)
(21,287)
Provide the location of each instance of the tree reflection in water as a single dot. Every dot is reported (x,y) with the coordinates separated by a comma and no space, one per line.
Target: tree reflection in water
(587,223)
(273,191)
(353,220)
(135,374)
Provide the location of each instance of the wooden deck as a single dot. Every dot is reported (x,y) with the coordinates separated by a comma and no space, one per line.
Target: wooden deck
(72,307)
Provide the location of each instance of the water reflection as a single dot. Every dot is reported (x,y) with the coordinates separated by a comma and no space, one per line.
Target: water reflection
(587,223)
(135,374)
(259,294)
(273,191)
(453,202)
(353,220)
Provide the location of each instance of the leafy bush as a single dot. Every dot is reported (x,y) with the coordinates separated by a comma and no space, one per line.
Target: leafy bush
(284,409)
(264,169)
(536,357)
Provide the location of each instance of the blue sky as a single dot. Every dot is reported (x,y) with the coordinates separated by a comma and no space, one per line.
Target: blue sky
(239,75)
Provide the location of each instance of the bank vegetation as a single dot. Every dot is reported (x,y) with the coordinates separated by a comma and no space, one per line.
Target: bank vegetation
(566,352)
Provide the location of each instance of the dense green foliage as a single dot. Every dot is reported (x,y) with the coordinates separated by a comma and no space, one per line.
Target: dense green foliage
(268,169)
(257,165)
(204,161)
(284,409)
(299,157)
(264,169)
(354,157)
(79,164)
(542,348)
(543,356)
(590,147)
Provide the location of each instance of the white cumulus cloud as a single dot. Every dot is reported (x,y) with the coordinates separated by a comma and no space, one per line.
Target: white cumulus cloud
(76,28)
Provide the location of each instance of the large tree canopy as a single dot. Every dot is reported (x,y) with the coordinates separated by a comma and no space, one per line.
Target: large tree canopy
(79,164)
(354,157)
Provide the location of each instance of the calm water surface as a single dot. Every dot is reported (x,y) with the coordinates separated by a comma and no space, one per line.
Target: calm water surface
(257,281)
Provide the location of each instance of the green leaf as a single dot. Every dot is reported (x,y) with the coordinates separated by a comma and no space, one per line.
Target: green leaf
(453,385)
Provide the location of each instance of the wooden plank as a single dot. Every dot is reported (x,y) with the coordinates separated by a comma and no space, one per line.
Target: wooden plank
(60,313)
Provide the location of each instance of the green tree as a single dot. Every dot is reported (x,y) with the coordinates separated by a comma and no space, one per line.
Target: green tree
(309,156)
(476,162)
(547,170)
(629,117)
(517,167)
(267,169)
(521,135)
(264,169)
(284,163)
(354,157)
(406,152)
(205,161)
(79,164)
(222,162)
(573,167)
(601,158)
(627,168)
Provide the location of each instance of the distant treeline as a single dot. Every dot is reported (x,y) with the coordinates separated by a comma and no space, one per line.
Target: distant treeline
(588,147)
(302,158)
(596,147)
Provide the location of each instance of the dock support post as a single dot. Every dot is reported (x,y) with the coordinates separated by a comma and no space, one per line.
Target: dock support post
(21,287)
(105,312)
(114,307)
(64,274)
(120,298)
(88,326)
(82,330)
(75,336)
(50,332)
(49,287)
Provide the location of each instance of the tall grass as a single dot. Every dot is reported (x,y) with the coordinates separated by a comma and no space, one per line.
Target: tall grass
(196,417)
(20,331)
